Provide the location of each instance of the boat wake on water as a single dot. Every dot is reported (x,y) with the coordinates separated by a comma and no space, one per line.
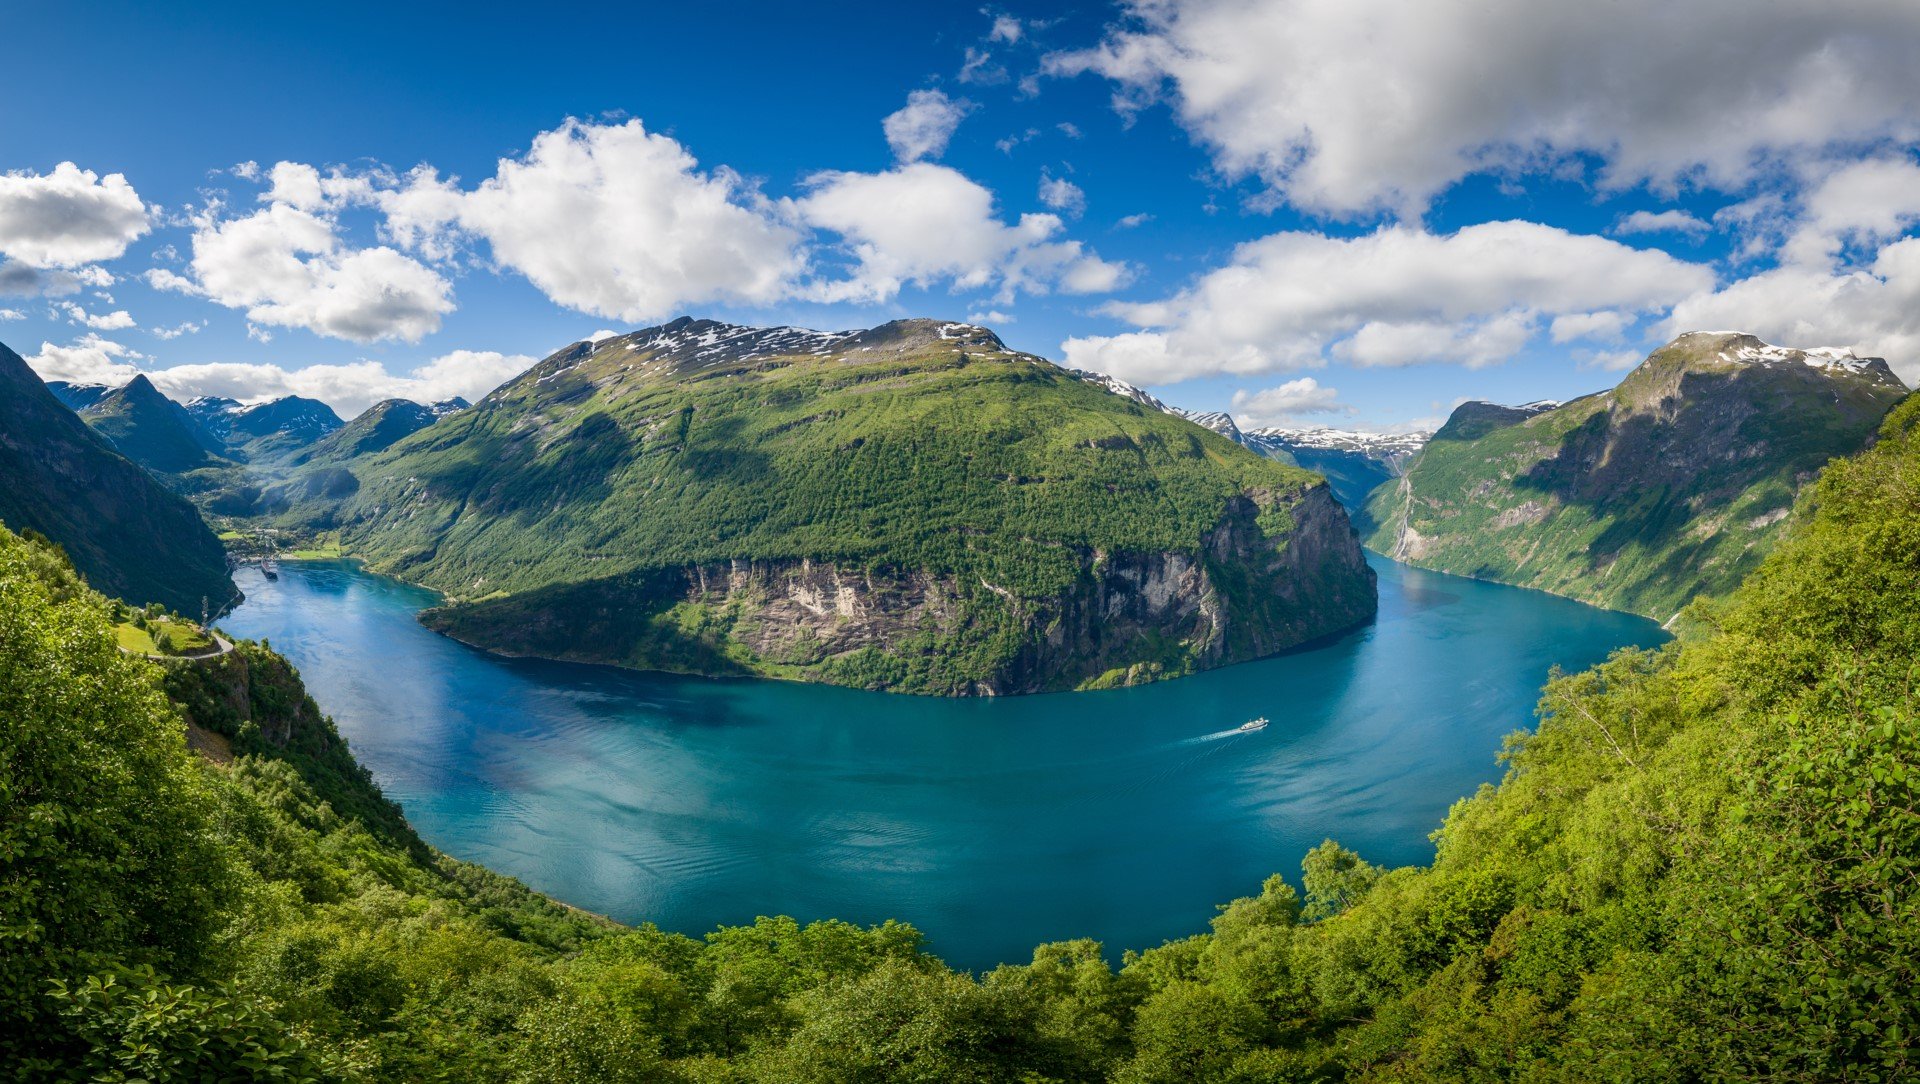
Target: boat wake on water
(1243,728)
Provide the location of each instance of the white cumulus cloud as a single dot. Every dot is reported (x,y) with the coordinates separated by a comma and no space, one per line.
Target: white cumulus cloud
(118,320)
(1285,402)
(186,327)
(923,224)
(286,266)
(1606,324)
(69,217)
(922,127)
(1863,202)
(1397,296)
(89,359)
(1354,106)
(611,220)
(1062,195)
(1663,222)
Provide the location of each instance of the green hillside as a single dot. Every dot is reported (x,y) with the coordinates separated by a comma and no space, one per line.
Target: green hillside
(129,536)
(912,507)
(1701,866)
(151,429)
(376,429)
(1671,486)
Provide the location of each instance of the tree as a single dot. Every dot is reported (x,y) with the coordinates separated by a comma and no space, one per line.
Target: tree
(1335,878)
(105,853)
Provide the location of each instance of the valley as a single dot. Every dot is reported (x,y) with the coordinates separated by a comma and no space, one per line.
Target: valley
(1141,542)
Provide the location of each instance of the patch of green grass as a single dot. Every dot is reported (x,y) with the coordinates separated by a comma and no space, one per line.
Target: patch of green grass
(326,551)
(133,639)
(162,637)
(179,637)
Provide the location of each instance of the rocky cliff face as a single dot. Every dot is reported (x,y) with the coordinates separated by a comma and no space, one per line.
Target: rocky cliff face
(1129,617)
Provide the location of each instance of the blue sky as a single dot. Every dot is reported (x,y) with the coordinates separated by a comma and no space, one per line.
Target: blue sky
(1307,212)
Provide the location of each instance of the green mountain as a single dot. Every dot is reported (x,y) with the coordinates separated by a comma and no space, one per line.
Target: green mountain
(1671,486)
(151,429)
(1700,866)
(129,536)
(376,429)
(912,507)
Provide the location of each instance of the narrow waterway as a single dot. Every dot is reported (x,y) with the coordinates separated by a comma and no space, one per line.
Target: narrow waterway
(990,824)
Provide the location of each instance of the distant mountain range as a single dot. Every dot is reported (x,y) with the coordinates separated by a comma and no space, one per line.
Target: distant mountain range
(911,507)
(129,536)
(1670,486)
(211,448)
(265,432)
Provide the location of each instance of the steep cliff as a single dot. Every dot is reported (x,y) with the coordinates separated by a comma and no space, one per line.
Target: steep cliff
(1126,618)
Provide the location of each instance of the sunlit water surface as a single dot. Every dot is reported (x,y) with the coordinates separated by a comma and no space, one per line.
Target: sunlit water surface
(992,825)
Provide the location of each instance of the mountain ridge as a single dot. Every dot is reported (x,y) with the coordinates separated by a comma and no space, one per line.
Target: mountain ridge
(151,429)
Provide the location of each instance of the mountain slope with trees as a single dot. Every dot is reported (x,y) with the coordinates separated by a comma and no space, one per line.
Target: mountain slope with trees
(1672,485)
(152,430)
(128,535)
(375,429)
(911,507)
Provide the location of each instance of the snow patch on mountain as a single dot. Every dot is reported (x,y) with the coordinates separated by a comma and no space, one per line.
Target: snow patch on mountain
(1375,445)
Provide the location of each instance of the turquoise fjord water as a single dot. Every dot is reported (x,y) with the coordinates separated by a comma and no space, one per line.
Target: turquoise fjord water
(992,825)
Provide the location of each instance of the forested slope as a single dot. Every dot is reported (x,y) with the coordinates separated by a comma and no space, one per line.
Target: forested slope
(1701,866)
(910,507)
(1670,486)
(132,538)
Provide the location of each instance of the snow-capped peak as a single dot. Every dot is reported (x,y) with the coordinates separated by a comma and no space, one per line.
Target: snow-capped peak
(1741,348)
(1378,445)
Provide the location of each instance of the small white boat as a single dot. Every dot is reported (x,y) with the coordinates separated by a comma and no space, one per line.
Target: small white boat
(1254,724)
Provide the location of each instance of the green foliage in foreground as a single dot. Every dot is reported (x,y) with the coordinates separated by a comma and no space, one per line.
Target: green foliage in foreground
(1701,865)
